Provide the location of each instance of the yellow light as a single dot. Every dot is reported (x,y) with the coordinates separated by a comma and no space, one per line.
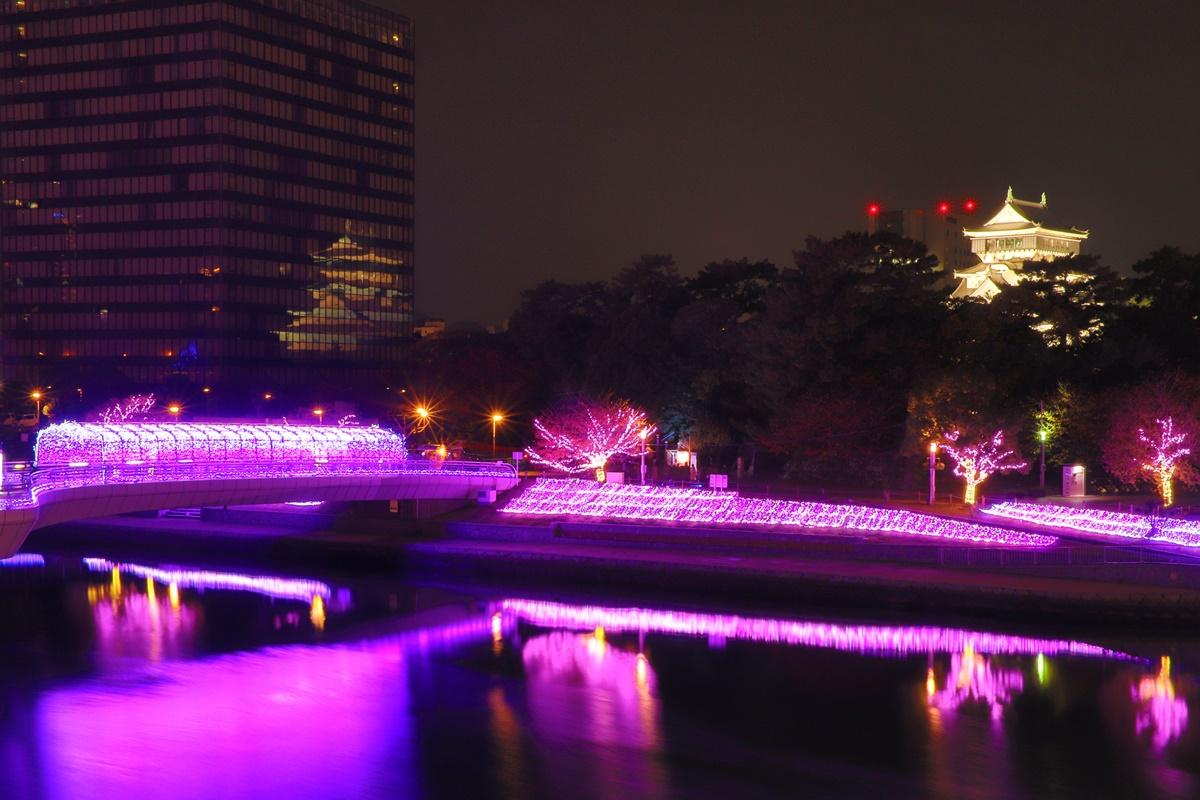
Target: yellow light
(206,389)
(320,412)
(173,595)
(422,412)
(36,395)
(267,395)
(933,448)
(316,614)
(930,683)
(441,451)
(174,408)
(497,626)
(497,418)
(599,633)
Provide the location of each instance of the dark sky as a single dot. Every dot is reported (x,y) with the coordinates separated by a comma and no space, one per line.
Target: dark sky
(563,139)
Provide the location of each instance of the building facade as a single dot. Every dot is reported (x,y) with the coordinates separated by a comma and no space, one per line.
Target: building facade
(1020,231)
(940,230)
(218,193)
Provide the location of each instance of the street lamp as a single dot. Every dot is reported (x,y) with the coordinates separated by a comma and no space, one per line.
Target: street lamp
(643,434)
(497,418)
(174,409)
(36,397)
(319,413)
(1042,460)
(932,471)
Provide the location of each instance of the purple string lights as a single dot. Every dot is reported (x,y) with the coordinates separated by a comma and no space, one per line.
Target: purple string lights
(134,443)
(868,639)
(1183,532)
(278,588)
(577,497)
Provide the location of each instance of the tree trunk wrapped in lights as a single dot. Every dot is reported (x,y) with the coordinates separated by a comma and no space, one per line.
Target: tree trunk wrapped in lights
(582,435)
(1166,453)
(976,462)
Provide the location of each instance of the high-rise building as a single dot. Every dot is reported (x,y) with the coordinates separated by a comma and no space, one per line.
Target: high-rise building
(940,229)
(218,193)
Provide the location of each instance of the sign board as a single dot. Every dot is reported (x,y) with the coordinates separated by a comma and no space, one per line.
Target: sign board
(1074,480)
(716,481)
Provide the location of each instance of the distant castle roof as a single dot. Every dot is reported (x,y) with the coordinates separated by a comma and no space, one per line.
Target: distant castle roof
(1021,215)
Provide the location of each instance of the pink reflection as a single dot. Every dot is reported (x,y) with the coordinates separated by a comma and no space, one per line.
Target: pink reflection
(578,497)
(1159,710)
(134,620)
(876,639)
(583,686)
(297,721)
(973,679)
(279,588)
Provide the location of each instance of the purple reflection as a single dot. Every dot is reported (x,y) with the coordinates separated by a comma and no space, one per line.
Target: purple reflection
(23,560)
(872,639)
(583,687)
(973,679)
(1159,709)
(296,721)
(279,588)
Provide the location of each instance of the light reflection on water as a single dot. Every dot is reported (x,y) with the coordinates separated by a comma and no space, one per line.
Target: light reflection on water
(521,697)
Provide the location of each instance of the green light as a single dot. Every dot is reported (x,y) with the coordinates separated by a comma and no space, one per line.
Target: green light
(1040,666)
(1042,436)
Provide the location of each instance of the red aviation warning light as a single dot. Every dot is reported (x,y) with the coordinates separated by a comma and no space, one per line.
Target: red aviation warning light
(873,209)
(969,206)
(943,208)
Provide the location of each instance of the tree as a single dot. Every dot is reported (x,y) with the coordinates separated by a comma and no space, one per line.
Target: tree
(1165,457)
(582,434)
(1150,428)
(976,462)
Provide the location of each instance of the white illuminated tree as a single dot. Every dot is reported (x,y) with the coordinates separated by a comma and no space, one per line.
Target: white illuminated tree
(976,462)
(581,435)
(1165,454)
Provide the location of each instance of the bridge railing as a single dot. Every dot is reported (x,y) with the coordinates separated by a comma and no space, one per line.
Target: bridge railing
(22,488)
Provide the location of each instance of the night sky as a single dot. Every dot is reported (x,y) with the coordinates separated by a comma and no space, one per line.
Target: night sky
(564,139)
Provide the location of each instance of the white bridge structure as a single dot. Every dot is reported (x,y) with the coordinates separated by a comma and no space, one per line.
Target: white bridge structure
(85,470)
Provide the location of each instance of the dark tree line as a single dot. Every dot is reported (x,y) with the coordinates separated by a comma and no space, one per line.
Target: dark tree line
(847,362)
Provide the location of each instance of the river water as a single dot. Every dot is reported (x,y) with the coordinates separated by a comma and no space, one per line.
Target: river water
(148,681)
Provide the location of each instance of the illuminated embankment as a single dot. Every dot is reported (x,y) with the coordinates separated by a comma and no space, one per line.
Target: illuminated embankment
(584,498)
(1182,532)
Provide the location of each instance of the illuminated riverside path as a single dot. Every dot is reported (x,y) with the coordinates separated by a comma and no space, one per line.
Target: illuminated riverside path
(94,470)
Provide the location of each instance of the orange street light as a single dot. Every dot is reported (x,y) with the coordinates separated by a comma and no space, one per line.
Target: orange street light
(174,409)
(36,397)
(319,413)
(497,418)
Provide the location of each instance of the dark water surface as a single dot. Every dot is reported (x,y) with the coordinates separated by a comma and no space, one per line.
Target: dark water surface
(143,681)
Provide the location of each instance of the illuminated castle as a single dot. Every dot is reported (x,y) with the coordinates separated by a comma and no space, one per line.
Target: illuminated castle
(356,301)
(1020,231)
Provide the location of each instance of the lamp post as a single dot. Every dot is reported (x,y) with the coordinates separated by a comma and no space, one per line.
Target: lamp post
(36,397)
(1042,460)
(319,413)
(932,471)
(497,418)
(643,434)
(174,410)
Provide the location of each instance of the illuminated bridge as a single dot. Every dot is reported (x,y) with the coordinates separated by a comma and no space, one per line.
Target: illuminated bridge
(98,470)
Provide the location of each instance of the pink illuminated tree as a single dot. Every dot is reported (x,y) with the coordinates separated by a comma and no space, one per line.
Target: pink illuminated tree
(1164,456)
(581,435)
(976,462)
(1150,435)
